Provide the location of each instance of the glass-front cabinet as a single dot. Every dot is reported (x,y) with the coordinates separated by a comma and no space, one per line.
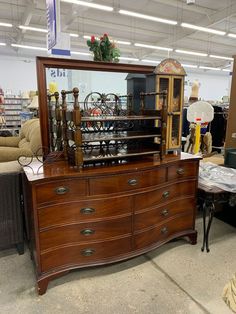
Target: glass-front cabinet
(169,76)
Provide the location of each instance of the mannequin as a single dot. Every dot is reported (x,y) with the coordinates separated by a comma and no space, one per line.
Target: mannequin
(2,118)
(1,96)
(194,92)
(1,101)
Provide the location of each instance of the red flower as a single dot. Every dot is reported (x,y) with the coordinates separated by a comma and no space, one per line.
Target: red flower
(105,35)
(92,39)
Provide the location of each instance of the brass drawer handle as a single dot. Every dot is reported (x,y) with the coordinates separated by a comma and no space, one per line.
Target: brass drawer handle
(165,212)
(166,194)
(132,182)
(87,252)
(164,230)
(87,232)
(87,210)
(62,190)
(180,171)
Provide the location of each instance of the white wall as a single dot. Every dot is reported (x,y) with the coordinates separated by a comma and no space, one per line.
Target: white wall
(213,86)
(17,74)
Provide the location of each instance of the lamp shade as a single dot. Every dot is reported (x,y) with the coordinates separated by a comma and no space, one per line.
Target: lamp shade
(34,103)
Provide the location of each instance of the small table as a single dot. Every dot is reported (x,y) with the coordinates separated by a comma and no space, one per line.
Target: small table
(210,196)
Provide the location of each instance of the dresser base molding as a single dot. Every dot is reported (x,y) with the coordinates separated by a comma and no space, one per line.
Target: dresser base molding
(104,215)
(44,278)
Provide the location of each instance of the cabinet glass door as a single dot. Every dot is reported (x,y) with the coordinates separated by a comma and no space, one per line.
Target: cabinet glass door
(174,141)
(163,84)
(175,112)
(176,97)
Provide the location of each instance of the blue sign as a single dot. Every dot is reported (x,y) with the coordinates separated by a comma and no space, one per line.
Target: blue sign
(51,23)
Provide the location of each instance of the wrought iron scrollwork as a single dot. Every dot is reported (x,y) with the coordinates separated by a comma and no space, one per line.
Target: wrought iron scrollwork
(103,127)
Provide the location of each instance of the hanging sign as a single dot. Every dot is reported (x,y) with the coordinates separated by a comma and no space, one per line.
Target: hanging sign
(51,23)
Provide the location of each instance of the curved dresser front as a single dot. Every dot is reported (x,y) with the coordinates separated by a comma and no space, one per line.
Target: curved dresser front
(101,215)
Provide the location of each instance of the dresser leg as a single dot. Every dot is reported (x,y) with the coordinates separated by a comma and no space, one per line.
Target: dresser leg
(192,237)
(43,285)
(43,281)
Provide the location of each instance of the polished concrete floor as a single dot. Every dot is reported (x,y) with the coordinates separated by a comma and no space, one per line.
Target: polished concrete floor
(176,278)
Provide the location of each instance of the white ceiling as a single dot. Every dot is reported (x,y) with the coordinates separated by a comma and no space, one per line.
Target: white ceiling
(216,14)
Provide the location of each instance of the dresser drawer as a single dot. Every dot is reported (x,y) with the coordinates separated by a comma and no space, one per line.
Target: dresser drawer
(84,232)
(82,211)
(85,254)
(182,170)
(60,191)
(164,212)
(170,192)
(127,182)
(164,231)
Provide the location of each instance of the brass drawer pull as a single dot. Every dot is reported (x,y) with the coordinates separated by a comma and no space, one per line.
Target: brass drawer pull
(132,182)
(87,252)
(62,190)
(87,232)
(166,194)
(180,171)
(164,230)
(165,212)
(87,210)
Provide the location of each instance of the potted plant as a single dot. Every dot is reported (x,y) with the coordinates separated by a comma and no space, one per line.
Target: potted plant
(103,49)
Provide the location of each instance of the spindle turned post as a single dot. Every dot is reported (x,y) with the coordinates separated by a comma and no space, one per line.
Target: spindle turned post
(78,132)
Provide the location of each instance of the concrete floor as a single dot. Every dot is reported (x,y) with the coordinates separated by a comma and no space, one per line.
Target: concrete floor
(176,278)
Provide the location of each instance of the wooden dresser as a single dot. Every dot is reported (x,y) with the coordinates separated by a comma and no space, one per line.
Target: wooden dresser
(106,214)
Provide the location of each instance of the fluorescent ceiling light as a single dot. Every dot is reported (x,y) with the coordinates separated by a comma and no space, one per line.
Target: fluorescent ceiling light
(150,61)
(220,57)
(29,47)
(203,29)
(232,35)
(122,42)
(194,53)
(153,47)
(81,53)
(2,44)
(189,66)
(209,68)
(90,5)
(226,70)
(128,59)
(87,37)
(35,29)
(41,30)
(74,35)
(147,17)
(5,24)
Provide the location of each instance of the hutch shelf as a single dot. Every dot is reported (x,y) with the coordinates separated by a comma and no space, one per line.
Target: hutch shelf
(103,130)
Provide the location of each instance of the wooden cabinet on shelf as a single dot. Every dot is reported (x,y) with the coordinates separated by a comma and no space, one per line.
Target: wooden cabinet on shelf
(13,107)
(105,214)
(169,75)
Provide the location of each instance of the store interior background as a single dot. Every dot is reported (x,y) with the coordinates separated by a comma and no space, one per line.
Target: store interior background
(194,282)
(20,75)
(17,64)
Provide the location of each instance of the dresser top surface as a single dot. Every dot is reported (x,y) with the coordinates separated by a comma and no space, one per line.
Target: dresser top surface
(37,171)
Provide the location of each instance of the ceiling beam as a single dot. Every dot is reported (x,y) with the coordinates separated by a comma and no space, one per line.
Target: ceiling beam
(207,21)
(178,4)
(26,18)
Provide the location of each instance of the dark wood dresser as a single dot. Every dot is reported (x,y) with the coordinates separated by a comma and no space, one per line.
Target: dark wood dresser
(101,215)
